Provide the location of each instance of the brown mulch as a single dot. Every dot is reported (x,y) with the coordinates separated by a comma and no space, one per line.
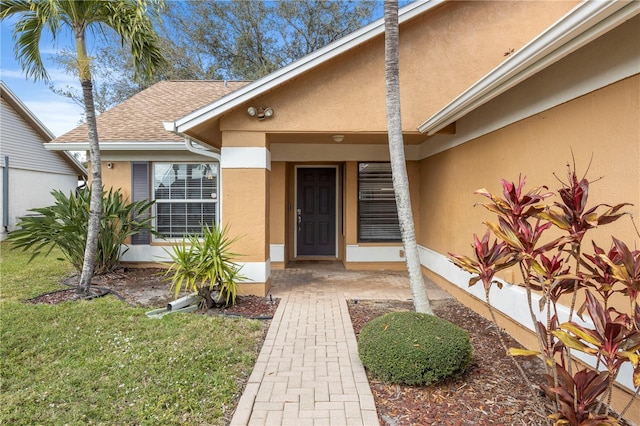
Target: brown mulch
(146,287)
(491,392)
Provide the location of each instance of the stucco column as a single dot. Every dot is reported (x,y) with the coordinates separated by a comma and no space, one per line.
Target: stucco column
(245,166)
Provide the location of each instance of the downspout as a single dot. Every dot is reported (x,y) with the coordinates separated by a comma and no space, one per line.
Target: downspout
(188,143)
(5,194)
(169,126)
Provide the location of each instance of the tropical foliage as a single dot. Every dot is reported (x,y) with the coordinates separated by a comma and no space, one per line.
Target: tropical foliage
(131,20)
(204,264)
(64,226)
(552,268)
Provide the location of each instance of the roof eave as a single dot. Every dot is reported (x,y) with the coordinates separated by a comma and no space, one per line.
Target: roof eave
(584,23)
(117,146)
(298,67)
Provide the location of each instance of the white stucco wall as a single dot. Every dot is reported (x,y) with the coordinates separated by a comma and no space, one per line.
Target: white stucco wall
(30,189)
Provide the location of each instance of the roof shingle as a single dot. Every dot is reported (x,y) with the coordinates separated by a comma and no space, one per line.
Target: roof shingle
(140,118)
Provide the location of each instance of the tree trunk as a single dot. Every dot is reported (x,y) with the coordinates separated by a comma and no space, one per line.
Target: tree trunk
(398,163)
(207,295)
(95,204)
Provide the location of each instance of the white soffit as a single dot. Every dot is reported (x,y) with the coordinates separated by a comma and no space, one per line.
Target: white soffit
(584,23)
(298,67)
(117,146)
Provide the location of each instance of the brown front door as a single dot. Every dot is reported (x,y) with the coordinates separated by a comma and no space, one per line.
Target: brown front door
(316,212)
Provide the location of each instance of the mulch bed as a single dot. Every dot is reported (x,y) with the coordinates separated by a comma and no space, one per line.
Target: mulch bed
(66,295)
(491,392)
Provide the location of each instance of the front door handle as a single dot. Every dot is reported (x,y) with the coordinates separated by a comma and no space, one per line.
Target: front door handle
(299,216)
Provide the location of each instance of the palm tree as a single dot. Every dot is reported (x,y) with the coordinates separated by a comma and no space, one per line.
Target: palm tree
(398,163)
(132,22)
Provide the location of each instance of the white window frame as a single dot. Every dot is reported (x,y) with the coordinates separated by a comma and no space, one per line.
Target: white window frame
(215,201)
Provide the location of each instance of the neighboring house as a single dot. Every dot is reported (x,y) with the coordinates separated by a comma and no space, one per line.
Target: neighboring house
(29,172)
(489,90)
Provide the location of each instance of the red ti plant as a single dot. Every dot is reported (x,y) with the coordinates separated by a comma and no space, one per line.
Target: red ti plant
(601,277)
(573,217)
(553,269)
(613,341)
(578,398)
(626,271)
(489,259)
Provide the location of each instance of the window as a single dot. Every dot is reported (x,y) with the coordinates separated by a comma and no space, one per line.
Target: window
(377,212)
(186,196)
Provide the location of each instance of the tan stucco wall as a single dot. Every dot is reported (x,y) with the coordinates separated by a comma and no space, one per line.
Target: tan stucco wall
(537,148)
(347,94)
(245,210)
(603,124)
(242,138)
(117,177)
(351,202)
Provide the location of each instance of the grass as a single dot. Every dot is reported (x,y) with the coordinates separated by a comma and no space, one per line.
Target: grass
(104,362)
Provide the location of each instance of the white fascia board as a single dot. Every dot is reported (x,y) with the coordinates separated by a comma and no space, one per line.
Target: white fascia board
(584,23)
(117,146)
(296,68)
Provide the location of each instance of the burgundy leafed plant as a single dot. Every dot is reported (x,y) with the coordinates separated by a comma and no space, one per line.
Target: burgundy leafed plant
(551,268)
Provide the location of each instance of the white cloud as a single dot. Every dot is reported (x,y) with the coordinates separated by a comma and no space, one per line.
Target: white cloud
(59,116)
(59,77)
(6,74)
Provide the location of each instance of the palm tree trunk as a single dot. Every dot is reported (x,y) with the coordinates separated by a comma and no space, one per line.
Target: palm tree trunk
(95,204)
(398,163)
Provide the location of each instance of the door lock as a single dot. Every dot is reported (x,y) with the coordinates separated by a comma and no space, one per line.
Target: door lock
(299,216)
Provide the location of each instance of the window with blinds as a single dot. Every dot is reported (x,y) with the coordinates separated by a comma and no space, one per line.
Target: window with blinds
(186,196)
(377,212)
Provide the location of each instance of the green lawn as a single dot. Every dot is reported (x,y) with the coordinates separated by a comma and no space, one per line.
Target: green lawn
(103,362)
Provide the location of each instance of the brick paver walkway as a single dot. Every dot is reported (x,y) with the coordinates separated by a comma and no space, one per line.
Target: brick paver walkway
(308,371)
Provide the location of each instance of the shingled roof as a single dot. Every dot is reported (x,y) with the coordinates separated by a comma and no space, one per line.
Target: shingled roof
(140,118)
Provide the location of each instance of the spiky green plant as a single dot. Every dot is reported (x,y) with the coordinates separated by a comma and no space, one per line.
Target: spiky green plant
(204,264)
(64,225)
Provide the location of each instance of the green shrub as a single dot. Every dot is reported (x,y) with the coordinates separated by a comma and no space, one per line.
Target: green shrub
(414,348)
(204,264)
(64,225)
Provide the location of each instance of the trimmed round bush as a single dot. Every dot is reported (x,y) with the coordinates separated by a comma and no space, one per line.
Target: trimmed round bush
(414,348)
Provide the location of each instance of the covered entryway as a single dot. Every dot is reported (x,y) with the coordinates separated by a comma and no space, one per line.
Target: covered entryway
(315,220)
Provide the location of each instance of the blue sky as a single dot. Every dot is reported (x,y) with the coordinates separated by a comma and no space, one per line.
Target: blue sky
(57,113)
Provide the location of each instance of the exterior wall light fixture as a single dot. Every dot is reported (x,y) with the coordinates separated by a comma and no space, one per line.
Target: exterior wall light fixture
(337,138)
(260,112)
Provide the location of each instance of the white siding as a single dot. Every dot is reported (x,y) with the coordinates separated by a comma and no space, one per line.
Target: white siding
(24,146)
(33,171)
